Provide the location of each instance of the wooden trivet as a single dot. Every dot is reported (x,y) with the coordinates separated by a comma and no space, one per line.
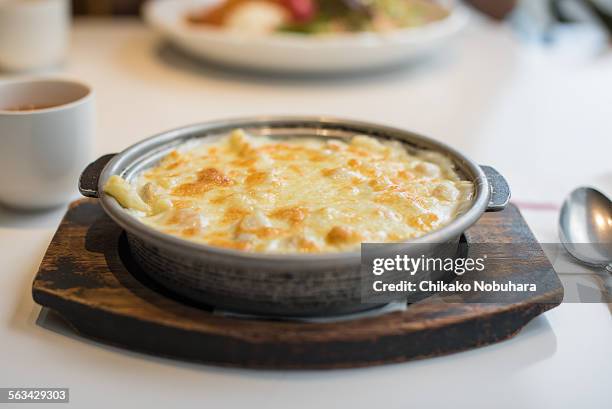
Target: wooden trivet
(88,278)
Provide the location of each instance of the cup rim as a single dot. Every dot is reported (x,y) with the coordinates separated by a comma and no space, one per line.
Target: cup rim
(61,107)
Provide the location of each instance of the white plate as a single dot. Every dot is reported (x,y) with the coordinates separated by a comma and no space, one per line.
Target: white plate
(295,52)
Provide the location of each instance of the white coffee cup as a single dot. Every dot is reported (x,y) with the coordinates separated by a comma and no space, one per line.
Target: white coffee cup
(34,34)
(46,139)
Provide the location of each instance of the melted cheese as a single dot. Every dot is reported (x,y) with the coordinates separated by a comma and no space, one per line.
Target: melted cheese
(295,195)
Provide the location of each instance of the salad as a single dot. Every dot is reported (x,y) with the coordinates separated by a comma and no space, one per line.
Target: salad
(318,16)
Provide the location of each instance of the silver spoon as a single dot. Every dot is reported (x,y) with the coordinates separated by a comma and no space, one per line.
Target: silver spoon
(585,227)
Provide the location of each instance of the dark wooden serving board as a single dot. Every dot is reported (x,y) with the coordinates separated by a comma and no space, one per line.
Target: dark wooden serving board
(87,277)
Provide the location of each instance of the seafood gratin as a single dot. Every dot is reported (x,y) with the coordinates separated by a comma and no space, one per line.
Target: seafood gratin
(295,195)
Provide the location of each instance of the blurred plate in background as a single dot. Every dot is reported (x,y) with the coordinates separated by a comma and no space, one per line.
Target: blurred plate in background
(298,53)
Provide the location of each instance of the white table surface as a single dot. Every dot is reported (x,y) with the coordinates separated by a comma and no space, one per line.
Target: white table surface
(542,116)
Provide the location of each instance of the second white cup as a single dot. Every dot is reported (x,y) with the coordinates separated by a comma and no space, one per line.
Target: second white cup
(34,34)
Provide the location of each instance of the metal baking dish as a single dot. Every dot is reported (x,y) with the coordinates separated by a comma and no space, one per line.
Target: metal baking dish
(271,284)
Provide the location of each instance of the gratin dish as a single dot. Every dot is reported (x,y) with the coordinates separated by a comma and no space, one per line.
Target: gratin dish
(272,284)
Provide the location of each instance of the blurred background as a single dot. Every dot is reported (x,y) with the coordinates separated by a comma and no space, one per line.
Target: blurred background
(520,73)
(564,11)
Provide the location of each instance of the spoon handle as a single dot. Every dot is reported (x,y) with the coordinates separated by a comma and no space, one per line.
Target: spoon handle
(606,283)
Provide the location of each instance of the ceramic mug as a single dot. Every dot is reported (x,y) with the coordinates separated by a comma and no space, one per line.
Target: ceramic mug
(46,138)
(34,34)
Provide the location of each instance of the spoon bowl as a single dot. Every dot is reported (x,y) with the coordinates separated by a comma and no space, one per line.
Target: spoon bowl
(585,226)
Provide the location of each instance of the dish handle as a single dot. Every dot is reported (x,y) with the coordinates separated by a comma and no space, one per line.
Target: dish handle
(500,190)
(88,182)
